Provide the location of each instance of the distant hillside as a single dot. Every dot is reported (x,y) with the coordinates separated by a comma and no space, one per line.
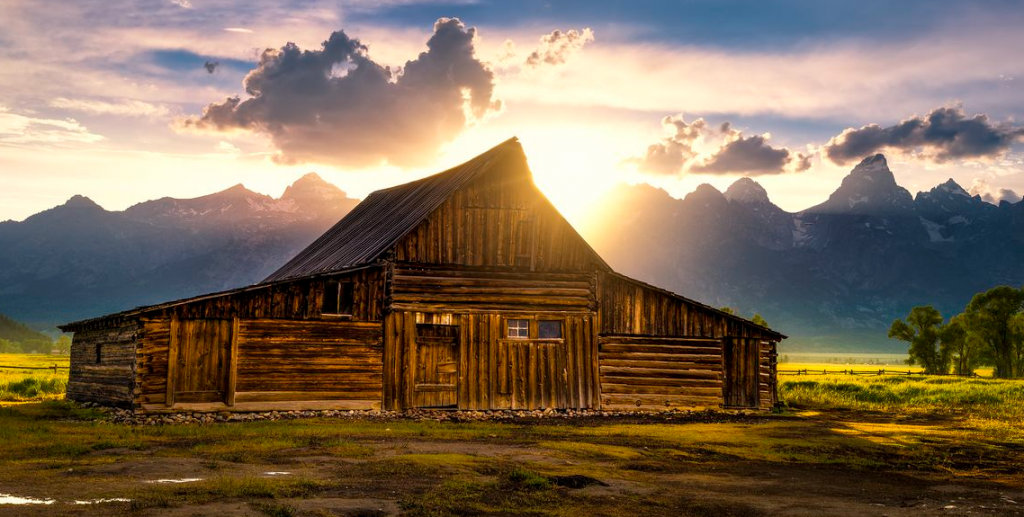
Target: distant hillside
(832,277)
(20,334)
(78,260)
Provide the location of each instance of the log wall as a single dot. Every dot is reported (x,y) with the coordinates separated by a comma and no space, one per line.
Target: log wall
(282,361)
(110,381)
(643,372)
(495,372)
(768,374)
(498,220)
(309,360)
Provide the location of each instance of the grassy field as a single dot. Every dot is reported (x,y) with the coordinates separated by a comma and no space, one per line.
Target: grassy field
(21,385)
(843,445)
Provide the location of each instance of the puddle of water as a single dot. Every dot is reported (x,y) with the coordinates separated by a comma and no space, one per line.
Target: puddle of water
(277,473)
(182,480)
(10,499)
(109,500)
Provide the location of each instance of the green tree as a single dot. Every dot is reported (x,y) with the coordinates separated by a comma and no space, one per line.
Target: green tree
(758,320)
(728,310)
(995,318)
(63,345)
(965,347)
(9,347)
(922,329)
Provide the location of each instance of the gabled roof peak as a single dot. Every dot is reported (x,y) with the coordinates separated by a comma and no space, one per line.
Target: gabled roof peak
(385,216)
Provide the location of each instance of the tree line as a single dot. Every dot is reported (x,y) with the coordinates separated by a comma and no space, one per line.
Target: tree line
(990,332)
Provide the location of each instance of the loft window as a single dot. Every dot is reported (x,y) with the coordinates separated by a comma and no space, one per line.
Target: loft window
(338,297)
(99,352)
(518,329)
(549,329)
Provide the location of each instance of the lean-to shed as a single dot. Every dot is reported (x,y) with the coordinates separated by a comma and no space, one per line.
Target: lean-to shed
(463,290)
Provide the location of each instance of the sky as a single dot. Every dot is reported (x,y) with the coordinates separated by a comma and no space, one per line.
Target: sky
(125,101)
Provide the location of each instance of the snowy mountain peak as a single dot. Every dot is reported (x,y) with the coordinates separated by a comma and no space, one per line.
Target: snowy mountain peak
(870,188)
(747,192)
(873,169)
(953,187)
(312,187)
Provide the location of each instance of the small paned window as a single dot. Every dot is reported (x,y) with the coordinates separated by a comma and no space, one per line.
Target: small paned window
(338,297)
(549,329)
(519,329)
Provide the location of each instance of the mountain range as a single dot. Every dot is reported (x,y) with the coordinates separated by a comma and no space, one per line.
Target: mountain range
(78,260)
(832,277)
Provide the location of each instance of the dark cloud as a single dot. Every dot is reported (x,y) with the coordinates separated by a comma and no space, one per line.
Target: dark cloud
(210,66)
(752,156)
(557,47)
(336,105)
(943,134)
(730,152)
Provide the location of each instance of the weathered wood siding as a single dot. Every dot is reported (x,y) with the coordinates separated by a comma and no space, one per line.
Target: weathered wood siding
(152,358)
(110,381)
(309,360)
(298,300)
(643,372)
(427,288)
(282,360)
(632,308)
(498,220)
(768,374)
(495,372)
(659,350)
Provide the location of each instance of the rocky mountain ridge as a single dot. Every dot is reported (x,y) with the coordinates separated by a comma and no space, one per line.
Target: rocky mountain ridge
(832,276)
(79,260)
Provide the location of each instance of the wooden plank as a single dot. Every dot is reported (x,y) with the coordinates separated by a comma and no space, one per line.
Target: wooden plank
(172,360)
(229,398)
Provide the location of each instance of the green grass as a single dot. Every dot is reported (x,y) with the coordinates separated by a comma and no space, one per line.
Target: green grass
(18,385)
(989,402)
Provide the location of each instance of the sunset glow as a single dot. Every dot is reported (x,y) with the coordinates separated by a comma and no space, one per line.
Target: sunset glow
(588,101)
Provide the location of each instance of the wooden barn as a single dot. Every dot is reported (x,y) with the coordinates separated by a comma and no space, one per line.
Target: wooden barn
(463,290)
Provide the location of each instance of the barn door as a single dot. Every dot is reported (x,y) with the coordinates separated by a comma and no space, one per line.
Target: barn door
(538,378)
(741,372)
(437,366)
(199,361)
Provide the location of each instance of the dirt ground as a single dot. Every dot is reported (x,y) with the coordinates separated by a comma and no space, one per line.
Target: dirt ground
(805,465)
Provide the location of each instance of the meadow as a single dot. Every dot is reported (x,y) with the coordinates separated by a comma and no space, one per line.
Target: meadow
(841,445)
(25,385)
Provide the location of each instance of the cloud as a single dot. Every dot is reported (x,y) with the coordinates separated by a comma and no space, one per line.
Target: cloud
(941,135)
(184,4)
(128,107)
(991,194)
(24,130)
(557,47)
(211,66)
(337,106)
(240,30)
(696,148)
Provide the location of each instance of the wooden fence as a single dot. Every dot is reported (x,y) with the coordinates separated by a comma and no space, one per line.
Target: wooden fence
(54,368)
(881,371)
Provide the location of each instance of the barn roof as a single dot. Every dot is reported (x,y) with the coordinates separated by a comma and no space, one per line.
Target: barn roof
(385,216)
